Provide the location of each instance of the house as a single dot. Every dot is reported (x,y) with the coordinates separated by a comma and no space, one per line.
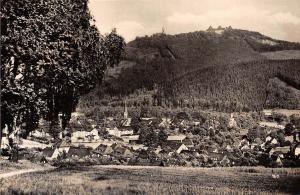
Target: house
(243,132)
(289,138)
(125,132)
(176,138)
(77,114)
(225,161)
(278,161)
(39,134)
(119,132)
(297,150)
(177,147)
(245,148)
(113,131)
(188,142)
(166,122)
(117,144)
(296,135)
(151,120)
(122,152)
(271,124)
(95,134)
(280,151)
(157,150)
(196,123)
(267,113)
(78,152)
(103,149)
(48,152)
(4,142)
(232,123)
(216,157)
(130,138)
(79,136)
(25,143)
(256,144)
(213,149)
(138,146)
(269,138)
(64,147)
(274,141)
(126,122)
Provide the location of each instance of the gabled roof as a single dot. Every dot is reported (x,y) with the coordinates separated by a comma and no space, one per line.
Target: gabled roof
(131,137)
(173,145)
(48,151)
(80,152)
(126,122)
(101,148)
(104,149)
(64,144)
(165,121)
(176,137)
(282,150)
(116,145)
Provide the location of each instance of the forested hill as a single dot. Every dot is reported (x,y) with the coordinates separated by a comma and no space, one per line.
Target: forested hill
(234,69)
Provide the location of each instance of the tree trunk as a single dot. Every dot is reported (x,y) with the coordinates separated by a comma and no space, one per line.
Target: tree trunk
(1,141)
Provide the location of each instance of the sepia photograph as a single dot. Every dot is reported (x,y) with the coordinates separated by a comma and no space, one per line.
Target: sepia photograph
(150,97)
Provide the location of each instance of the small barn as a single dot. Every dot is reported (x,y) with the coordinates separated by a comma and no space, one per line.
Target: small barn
(103,149)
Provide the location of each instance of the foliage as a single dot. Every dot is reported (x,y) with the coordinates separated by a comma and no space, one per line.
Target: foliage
(51,56)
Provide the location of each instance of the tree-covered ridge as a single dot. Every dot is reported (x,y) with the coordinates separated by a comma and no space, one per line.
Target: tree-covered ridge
(245,86)
(51,54)
(220,71)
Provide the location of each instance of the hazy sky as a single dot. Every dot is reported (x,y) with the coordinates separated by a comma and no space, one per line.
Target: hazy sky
(279,19)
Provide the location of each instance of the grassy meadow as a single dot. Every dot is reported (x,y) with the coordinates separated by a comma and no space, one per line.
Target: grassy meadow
(7,166)
(155,180)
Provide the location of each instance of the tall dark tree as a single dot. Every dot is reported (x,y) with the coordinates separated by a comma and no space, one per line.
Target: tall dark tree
(51,54)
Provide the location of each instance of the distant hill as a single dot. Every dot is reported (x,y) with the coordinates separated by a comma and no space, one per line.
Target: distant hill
(223,71)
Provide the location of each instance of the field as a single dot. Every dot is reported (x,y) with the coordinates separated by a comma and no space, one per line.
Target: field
(8,167)
(155,180)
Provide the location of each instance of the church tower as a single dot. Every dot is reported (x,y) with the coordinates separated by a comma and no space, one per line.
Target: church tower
(125,111)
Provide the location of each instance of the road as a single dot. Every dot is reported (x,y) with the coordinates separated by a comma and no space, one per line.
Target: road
(23,171)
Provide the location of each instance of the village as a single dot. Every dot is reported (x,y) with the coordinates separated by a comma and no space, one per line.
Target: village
(212,140)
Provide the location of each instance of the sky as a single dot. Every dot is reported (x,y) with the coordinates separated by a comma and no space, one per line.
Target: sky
(279,19)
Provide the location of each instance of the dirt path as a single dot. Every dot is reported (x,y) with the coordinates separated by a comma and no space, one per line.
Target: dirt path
(23,171)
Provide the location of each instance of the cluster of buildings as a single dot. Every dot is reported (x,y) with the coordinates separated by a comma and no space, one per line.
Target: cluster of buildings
(122,142)
(279,145)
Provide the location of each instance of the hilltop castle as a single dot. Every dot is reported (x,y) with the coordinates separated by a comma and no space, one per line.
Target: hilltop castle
(218,30)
